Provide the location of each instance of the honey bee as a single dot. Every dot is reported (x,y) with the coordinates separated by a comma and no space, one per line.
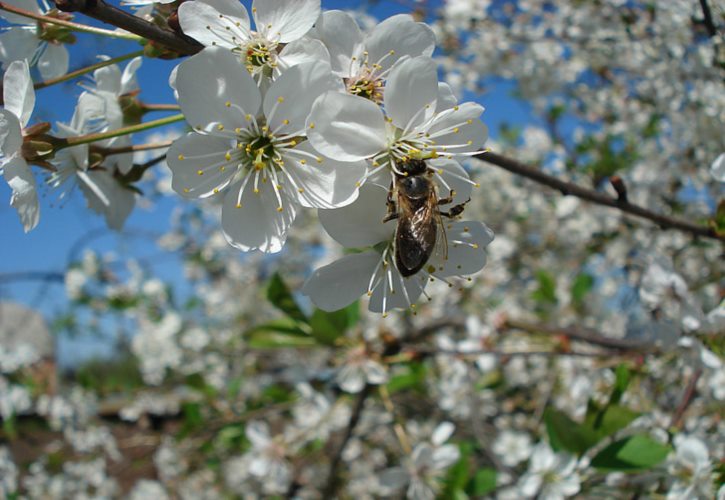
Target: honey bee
(413,201)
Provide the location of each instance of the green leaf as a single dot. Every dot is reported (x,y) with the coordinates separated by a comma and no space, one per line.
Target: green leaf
(582,285)
(621,382)
(546,292)
(636,452)
(565,434)
(458,474)
(606,421)
(412,378)
(329,326)
(484,481)
(280,296)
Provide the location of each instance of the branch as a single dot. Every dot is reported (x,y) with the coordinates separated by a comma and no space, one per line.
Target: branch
(708,21)
(687,398)
(100,10)
(569,188)
(332,477)
(131,149)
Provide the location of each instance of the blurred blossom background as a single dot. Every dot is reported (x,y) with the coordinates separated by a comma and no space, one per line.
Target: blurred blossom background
(584,361)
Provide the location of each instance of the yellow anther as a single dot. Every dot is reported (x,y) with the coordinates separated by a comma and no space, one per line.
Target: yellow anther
(456,108)
(392,52)
(357,184)
(216,191)
(285,121)
(222,168)
(475,246)
(303,162)
(238,205)
(228,104)
(256,191)
(300,190)
(319,159)
(279,209)
(199,172)
(312,125)
(228,156)
(431,269)
(376,164)
(186,190)
(469,142)
(370,293)
(278,187)
(293,142)
(469,121)
(248,117)
(280,99)
(456,130)
(238,130)
(220,126)
(181,157)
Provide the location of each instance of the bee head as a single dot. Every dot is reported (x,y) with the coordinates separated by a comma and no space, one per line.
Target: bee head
(412,167)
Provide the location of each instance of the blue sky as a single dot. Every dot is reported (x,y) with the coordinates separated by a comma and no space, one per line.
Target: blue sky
(65,226)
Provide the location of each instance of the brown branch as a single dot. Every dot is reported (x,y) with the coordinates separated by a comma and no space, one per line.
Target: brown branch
(130,149)
(687,398)
(708,21)
(333,479)
(571,189)
(100,10)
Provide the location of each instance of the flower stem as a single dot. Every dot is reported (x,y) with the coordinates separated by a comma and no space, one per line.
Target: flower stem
(86,139)
(87,69)
(83,28)
(160,107)
(131,149)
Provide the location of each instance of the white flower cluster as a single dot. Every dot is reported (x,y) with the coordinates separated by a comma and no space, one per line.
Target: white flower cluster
(305,110)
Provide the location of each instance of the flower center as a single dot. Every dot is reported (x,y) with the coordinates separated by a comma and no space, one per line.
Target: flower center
(258,151)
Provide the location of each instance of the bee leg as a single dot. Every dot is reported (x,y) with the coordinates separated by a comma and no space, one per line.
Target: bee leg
(449,199)
(392,208)
(455,210)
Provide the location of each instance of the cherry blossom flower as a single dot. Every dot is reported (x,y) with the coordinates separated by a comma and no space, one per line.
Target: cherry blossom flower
(513,447)
(359,369)
(266,459)
(717,169)
(34,42)
(374,271)
(551,476)
(275,45)
(19,98)
(261,154)
(349,127)
(691,469)
(365,60)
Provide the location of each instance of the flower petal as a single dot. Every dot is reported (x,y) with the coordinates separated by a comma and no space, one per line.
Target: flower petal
(194,153)
(717,169)
(342,37)
(17,43)
(467,242)
(411,91)
(304,50)
(346,127)
(454,176)
(360,224)
(459,129)
(405,292)
(285,20)
(106,196)
(24,199)
(257,224)
(108,79)
(215,22)
(288,101)
(54,60)
(339,284)
(18,92)
(326,184)
(128,78)
(214,88)
(446,99)
(11,135)
(30,5)
(403,36)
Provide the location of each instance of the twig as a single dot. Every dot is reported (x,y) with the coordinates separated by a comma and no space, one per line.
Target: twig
(569,188)
(132,148)
(98,9)
(708,21)
(687,398)
(333,480)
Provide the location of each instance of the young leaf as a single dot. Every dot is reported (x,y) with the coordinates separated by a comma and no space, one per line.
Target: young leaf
(280,296)
(329,326)
(565,434)
(630,454)
(483,482)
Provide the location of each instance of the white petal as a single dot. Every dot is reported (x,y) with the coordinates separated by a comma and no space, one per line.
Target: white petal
(339,284)
(193,153)
(326,184)
(285,20)
(54,60)
(128,79)
(446,99)
(346,127)
(394,478)
(342,37)
(442,433)
(30,5)
(350,378)
(452,127)
(18,92)
(18,43)
(529,484)
(210,80)
(106,196)
(468,256)
(403,36)
(257,224)
(24,199)
(375,372)
(406,292)
(122,162)
(108,79)
(445,456)
(717,169)
(304,50)
(411,91)
(201,21)
(360,224)
(258,434)
(288,101)
(11,138)
(451,171)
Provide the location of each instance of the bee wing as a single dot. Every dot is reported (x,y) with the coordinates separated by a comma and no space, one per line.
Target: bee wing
(415,237)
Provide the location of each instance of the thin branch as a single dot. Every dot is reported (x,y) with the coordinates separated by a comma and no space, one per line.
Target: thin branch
(569,188)
(160,107)
(132,148)
(89,138)
(153,161)
(687,398)
(708,21)
(333,479)
(100,10)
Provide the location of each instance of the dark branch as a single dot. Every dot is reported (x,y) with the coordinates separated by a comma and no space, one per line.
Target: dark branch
(569,188)
(708,21)
(333,479)
(98,9)
(687,398)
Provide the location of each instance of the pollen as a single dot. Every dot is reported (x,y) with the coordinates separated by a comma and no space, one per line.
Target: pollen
(280,99)
(303,162)
(228,104)
(238,130)
(319,159)
(279,209)
(220,126)
(199,172)
(238,205)
(370,293)
(186,190)
(300,190)
(216,191)
(228,156)
(181,157)
(475,246)
(247,117)
(456,108)
(469,142)
(456,130)
(312,125)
